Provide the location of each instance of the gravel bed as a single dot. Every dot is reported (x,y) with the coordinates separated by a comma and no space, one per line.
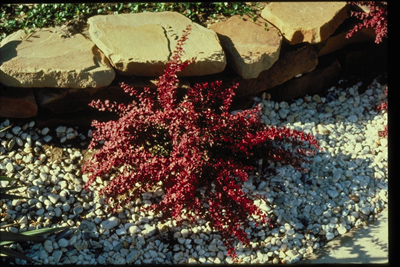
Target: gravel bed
(345,186)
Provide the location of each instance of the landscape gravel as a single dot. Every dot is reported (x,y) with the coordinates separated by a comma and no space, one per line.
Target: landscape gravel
(345,186)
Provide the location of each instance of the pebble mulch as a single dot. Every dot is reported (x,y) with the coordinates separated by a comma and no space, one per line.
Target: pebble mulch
(345,186)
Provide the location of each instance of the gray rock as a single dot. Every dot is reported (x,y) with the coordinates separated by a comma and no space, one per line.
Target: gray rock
(121,231)
(149,230)
(72,240)
(53,198)
(57,254)
(57,212)
(47,138)
(330,236)
(45,131)
(16,130)
(77,210)
(63,243)
(19,141)
(110,223)
(66,207)
(352,118)
(132,256)
(60,131)
(43,254)
(40,212)
(178,256)
(333,193)
(71,136)
(81,245)
(366,210)
(48,246)
(283,113)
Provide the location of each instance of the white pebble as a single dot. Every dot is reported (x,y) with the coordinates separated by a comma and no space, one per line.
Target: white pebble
(330,236)
(342,229)
(9,167)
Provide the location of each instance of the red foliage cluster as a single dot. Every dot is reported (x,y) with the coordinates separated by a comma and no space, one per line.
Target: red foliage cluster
(194,146)
(375,18)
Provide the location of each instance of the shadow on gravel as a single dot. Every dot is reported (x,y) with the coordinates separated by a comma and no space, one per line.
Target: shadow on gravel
(368,244)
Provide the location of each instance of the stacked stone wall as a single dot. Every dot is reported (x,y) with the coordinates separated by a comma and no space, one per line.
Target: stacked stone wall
(292,49)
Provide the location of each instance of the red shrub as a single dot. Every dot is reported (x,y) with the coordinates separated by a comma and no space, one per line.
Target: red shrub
(194,147)
(375,18)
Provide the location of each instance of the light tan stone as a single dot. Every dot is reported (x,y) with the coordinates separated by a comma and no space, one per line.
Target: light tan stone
(44,59)
(311,22)
(142,43)
(249,46)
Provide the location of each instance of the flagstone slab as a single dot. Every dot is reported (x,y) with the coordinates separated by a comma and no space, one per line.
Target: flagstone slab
(142,44)
(17,103)
(251,47)
(311,22)
(45,59)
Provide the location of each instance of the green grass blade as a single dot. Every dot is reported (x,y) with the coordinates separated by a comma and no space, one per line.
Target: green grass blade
(9,238)
(15,254)
(45,231)
(5,178)
(11,197)
(3,190)
(33,235)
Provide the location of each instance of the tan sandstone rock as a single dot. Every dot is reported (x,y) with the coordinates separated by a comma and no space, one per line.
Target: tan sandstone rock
(44,59)
(66,101)
(142,43)
(296,61)
(249,46)
(311,22)
(338,40)
(320,79)
(17,103)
